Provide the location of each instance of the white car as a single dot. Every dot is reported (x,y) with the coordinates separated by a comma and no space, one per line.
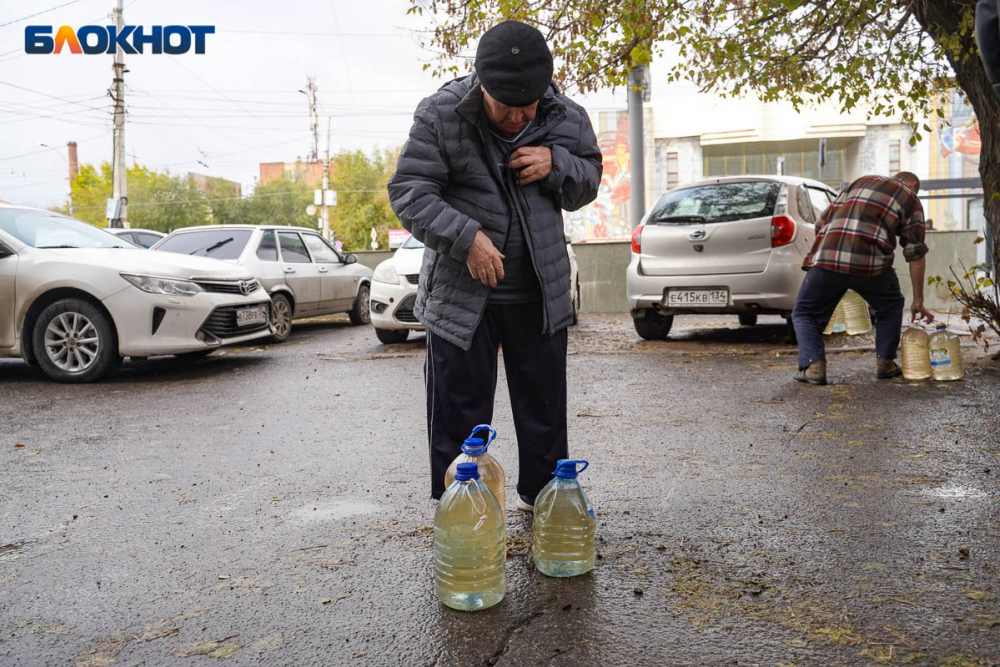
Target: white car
(305,275)
(394,291)
(730,245)
(144,238)
(75,299)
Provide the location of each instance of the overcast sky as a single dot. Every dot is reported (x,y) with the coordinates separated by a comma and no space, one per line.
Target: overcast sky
(221,113)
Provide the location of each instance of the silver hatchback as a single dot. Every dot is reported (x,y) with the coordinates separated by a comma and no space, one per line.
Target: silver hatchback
(304,274)
(730,245)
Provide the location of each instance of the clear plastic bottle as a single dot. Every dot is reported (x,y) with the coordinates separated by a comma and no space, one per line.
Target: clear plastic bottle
(490,470)
(837,323)
(469,549)
(856,314)
(564,524)
(946,355)
(916,355)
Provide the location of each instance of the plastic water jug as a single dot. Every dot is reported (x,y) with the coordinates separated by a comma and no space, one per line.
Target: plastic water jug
(916,354)
(856,314)
(490,471)
(469,549)
(946,355)
(564,524)
(837,323)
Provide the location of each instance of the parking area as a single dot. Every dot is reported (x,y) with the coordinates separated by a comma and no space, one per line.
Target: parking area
(269,505)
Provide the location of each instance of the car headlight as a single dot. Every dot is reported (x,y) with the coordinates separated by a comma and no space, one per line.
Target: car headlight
(385,273)
(155,285)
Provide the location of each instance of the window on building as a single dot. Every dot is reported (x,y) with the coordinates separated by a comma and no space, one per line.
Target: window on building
(894,156)
(673,174)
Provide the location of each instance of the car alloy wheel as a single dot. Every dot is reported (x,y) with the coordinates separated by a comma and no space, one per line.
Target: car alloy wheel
(281,317)
(72,342)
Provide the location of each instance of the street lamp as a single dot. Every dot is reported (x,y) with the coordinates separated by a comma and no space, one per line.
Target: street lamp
(51,148)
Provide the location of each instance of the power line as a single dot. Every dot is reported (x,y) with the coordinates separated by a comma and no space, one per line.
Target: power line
(210,199)
(44,11)
(14,157)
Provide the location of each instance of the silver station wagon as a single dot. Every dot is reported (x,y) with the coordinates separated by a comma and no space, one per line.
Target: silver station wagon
(730,245)
(304,274)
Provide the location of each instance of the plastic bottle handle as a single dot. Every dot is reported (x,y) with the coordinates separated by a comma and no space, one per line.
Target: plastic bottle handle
(493,435)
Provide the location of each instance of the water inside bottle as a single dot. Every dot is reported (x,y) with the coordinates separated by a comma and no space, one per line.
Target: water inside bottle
(856,316)
(564,525)
(946,355)
(469,549)
(915,353)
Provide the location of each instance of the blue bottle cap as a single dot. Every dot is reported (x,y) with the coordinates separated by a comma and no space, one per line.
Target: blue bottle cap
(566,468)
(474,446)
(466,471)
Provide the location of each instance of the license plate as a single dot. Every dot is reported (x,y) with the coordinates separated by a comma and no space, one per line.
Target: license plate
(248,316)
(698,297)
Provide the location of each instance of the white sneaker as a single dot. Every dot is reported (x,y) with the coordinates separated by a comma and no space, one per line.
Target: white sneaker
(524,506)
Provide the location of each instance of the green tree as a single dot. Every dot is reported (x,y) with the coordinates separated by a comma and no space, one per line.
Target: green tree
(156,200)
(890,56)
(279,202)
(362,199)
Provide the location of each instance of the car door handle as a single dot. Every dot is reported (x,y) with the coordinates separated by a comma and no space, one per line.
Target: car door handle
(289,269)
(324,269)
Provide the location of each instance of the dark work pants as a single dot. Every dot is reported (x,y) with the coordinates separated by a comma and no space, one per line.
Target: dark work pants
(988,38)
(461,386)
(818,297)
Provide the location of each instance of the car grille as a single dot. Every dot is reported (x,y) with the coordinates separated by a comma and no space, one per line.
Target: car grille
(405,311)
(413,278)
(228,287)
(222,322)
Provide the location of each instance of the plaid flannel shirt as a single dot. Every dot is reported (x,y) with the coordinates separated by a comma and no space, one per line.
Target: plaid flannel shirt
(857,233)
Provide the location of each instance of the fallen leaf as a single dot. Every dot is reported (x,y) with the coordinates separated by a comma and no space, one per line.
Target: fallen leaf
(18,445)
(325,601)
(795,643)
(223,576)
(158,633)
(268,644)
(211,649)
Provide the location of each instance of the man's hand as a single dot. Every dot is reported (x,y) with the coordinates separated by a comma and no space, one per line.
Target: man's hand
(484,260)
(917,311)
(531,163)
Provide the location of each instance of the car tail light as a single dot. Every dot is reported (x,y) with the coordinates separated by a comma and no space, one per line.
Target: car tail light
(782,230)
(637,239)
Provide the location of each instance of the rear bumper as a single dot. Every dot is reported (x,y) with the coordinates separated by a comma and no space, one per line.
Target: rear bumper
(771,291)
(392,306)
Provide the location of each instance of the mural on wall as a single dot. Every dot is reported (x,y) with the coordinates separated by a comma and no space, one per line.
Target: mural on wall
(960,133)
(608,216)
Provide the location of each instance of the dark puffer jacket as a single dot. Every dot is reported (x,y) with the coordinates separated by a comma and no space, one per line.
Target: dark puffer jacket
(446,189)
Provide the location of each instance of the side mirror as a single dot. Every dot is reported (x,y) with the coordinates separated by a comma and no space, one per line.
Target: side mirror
(351,259)
(5,251)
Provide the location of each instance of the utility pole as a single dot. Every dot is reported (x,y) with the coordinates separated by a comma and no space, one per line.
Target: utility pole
(74,170)
(637,91)
(326,183)
(310,92)
(119,184)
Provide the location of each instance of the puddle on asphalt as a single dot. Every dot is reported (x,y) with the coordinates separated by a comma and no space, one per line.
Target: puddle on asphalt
(955,491)
(334,511)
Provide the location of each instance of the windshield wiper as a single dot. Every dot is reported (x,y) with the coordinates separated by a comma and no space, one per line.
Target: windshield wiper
(214,246)
(680,218)
(51,247)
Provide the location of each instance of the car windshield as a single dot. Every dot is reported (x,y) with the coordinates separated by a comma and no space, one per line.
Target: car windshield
(217,243)
(411,242)
(719,202)
(45,229)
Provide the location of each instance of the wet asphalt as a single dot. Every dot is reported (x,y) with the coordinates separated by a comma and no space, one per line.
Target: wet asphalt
(269,506)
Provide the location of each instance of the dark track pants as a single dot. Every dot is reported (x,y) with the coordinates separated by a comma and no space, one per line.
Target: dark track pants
(461,387)
(818,297)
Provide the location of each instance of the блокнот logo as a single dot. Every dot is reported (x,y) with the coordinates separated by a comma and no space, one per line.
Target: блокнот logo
(170,39)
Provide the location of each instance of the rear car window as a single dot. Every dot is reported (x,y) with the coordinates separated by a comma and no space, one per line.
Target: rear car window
(292,248)
(718,202)
(215,243)
(268,248)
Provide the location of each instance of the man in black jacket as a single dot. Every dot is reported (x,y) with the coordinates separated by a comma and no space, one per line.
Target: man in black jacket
(491,161)
(988,38)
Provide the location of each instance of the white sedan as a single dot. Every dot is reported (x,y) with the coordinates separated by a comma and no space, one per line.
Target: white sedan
(394,291)
(75,299)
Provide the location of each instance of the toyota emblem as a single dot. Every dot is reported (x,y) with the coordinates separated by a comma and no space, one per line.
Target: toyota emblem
(244,287)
